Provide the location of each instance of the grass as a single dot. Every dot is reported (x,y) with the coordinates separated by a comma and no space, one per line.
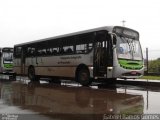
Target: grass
(151,77)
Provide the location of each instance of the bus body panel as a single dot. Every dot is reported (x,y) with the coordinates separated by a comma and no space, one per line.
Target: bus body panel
(63,66)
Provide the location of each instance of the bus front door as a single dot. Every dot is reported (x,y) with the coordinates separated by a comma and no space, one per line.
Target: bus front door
(22,62)
(100,59)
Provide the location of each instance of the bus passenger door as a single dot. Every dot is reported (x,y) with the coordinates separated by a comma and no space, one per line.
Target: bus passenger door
(23,61)
(100,59)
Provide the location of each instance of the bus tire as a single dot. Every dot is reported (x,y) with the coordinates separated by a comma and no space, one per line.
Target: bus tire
(31,74)
(83,77)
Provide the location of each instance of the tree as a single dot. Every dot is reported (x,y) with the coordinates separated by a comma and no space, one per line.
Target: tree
(154,66)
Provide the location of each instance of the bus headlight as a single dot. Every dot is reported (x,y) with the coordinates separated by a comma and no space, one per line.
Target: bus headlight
(91,68)
(110,68)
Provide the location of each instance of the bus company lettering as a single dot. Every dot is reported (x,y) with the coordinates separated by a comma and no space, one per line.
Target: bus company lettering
(71,57)
(64,62)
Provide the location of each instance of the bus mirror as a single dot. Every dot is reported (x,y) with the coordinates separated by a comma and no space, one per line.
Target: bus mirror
(114,38)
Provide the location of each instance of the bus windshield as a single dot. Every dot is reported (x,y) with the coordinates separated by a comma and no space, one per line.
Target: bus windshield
(7,57)
(128,48)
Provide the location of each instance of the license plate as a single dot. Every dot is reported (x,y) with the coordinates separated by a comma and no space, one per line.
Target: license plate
(133,72)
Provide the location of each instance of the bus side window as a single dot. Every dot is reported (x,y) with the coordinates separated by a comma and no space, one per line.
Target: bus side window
(43,52)
(55,51)
(30,52)
(89,47)
(79,49)
(49,51)
(18,51)
(83,48)
(84,43)
(39,52)
(33,51)
(68,49)
(61,51)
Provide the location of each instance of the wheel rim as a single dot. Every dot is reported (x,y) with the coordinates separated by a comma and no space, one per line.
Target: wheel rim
(83,76)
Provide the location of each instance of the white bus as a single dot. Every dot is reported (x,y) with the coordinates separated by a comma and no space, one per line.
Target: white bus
(6,60)
(101,53)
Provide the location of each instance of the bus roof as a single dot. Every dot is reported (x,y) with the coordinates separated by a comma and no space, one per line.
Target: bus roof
(6,49)
(108,28)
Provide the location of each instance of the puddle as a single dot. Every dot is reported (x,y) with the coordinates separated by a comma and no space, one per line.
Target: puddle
(49,101)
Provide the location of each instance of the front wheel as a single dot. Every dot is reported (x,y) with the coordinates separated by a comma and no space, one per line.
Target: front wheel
(83,77)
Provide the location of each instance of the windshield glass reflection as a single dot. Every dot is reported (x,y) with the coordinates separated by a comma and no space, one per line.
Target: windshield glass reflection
(128,48)
(7,57)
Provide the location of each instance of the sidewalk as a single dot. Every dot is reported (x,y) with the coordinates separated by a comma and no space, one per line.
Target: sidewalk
(142,82)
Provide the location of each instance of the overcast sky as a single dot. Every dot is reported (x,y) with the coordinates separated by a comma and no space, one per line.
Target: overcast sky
(28,20)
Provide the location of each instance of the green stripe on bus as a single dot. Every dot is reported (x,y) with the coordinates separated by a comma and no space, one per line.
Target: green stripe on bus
(8,65)
(131,64)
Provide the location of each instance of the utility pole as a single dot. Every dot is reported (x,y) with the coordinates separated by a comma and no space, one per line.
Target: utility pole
(147,74)
(147,59)
(123,23)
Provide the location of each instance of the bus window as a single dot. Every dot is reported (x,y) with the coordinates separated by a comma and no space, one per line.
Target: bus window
(89,47)
(30,51)
(49,51)
(84,43)
(42,52)
(80,48)
(8,57)
(84,48)
(18,52)
(38,52)
(68,49)
(55,51)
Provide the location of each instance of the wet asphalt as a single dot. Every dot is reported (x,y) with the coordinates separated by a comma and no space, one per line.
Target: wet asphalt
(23,100)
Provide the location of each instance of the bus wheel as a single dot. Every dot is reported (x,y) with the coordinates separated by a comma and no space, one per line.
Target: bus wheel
(83,77)
(31,74)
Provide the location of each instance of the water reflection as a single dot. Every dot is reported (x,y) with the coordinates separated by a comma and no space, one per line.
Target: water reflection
(63,102)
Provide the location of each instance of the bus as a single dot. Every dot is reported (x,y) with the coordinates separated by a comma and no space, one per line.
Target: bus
(107,53)
(6,60)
